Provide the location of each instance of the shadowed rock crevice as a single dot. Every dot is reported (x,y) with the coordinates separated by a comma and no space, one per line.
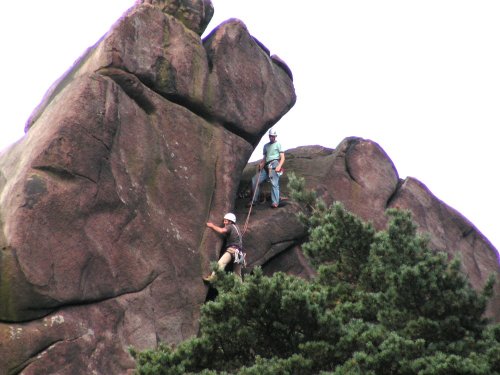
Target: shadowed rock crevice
(348,169)
(111,297)
(352,146)
(275,250)
(61,173)
(60,307)
(135,89)
(132,86)
(35,355)
(468,232)
(393,197)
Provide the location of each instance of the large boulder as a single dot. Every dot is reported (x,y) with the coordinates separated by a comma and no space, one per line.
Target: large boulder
(104,202)
(360,175)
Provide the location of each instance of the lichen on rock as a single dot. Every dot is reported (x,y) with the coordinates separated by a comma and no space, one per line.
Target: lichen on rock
(194,14)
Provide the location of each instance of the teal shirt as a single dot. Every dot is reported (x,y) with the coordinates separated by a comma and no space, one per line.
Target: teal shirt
(272,151)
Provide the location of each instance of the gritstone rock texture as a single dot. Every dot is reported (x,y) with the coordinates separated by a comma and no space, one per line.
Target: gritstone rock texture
(103,203)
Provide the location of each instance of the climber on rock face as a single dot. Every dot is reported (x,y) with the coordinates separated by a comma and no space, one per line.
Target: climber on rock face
(270,168)
(233,247)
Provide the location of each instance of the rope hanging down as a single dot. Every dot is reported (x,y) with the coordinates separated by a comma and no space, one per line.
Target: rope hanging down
(251,202)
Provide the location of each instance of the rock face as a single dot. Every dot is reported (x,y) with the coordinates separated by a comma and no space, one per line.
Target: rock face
(103,203)
(359,174)
(194,14)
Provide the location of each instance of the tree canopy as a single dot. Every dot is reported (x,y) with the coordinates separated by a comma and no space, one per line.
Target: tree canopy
(381,303)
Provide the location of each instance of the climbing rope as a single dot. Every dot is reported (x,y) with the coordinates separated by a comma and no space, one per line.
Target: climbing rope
(251,202)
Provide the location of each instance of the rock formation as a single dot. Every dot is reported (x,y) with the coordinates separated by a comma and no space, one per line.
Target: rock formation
(103,203)
(359,174)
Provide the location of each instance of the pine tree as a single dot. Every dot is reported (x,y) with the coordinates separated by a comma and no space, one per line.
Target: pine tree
(261,322)
(382,303)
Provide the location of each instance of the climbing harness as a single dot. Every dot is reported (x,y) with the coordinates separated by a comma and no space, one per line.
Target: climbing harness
(240,258)
(239,254)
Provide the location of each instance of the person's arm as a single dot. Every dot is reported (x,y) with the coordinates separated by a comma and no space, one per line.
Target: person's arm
(282,161)
(262,163)
(220,230)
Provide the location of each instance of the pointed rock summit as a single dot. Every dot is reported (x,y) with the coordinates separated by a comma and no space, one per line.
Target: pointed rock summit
(195,15)
(104,202)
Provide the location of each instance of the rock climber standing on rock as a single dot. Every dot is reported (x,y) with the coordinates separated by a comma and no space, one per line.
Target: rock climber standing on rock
(270,168)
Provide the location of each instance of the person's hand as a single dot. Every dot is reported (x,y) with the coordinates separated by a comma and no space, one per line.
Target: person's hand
(278,169)
(210,225)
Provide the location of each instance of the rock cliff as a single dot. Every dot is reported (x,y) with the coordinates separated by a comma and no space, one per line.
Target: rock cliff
(103,203)
(359,174)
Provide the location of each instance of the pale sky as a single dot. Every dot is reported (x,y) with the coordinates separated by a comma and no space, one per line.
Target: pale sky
(420,78)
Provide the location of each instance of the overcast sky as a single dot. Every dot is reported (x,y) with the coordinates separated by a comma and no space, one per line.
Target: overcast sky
(420,78)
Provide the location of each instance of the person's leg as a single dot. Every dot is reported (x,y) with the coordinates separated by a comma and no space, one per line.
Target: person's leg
(222,263)
(224,260)
(256,184)
(275,188)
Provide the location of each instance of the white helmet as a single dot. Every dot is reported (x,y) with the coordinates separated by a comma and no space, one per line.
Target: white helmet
(272,132)
(231,217)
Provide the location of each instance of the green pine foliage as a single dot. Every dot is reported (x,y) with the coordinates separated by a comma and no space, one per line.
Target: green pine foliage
(382,303)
